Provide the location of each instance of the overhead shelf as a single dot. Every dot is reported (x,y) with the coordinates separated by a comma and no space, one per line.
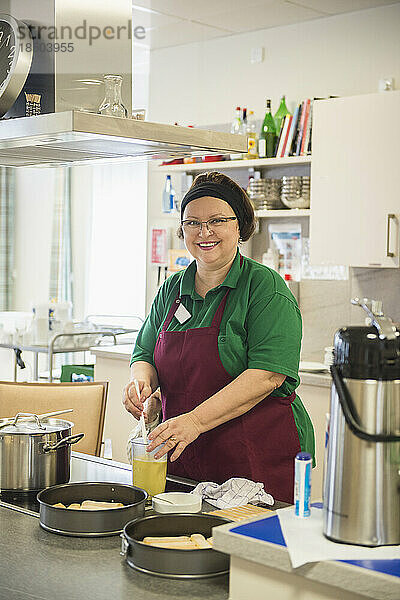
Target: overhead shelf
(75,137)
(239,164)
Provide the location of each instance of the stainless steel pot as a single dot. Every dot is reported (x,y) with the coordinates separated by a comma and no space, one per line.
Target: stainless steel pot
(35,453)
(90,523)
(166,562)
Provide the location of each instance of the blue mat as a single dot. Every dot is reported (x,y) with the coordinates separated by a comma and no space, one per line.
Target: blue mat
(269,530)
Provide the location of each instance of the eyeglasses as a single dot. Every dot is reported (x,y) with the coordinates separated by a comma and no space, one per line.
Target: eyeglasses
(192,225)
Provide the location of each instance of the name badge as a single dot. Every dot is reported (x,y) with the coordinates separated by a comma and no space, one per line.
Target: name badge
(182,314)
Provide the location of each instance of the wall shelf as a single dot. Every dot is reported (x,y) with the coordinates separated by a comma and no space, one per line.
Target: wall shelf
(290,212)
(264,163)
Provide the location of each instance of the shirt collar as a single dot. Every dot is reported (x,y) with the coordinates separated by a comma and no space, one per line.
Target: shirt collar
(231,280)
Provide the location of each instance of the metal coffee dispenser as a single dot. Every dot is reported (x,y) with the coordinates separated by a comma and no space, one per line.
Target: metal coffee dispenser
(362,477)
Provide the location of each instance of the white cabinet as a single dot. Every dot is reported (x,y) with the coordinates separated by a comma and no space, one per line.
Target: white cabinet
(355,199)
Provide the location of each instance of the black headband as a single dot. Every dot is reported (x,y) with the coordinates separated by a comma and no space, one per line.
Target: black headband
(217,190)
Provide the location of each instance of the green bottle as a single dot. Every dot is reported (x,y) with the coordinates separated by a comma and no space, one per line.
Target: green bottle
(267,139)
(280,115)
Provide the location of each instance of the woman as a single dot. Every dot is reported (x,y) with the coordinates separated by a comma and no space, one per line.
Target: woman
(222,341)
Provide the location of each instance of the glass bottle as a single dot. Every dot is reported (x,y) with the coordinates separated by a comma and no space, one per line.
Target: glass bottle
(267,141)
(244,122)
(252,136)
(112,104)
(236,126)
(168,197)
(280,115)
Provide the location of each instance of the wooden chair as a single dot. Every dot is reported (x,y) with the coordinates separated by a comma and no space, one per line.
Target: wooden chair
(88,401)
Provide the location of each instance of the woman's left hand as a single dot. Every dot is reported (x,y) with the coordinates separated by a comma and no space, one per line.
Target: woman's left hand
(177,433)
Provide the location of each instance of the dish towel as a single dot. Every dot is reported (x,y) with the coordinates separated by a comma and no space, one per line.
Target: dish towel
(234,492)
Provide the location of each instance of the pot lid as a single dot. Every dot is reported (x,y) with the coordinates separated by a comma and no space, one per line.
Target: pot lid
(32,425)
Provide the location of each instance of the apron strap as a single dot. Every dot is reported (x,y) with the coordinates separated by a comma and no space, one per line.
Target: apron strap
(216,322)
(284,399)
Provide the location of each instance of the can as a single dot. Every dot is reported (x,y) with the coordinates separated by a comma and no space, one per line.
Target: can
(302,484)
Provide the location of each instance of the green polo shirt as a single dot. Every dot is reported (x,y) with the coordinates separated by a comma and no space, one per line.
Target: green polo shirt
(261,326)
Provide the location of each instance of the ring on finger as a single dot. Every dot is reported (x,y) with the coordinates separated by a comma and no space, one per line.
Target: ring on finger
(173,439)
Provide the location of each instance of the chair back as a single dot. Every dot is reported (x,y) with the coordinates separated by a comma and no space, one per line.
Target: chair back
(88,401)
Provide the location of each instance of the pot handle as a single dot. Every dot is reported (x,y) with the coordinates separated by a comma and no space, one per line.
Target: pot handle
(13,421)
(67,441)
(350,412)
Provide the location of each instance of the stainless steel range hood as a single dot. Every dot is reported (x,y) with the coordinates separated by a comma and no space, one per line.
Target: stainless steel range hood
(74,137)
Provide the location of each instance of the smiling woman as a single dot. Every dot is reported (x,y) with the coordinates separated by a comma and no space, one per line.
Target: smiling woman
(222,341)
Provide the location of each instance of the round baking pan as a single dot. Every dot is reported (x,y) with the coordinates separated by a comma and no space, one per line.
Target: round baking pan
(167,562)
(90,523)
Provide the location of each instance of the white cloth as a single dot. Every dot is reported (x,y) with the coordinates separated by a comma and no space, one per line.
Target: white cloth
(234,492)
(137,433)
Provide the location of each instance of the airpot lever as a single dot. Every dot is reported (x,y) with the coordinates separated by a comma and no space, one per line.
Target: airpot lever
(383,324)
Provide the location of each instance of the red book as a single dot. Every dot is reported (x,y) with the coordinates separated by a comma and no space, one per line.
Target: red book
(306,117)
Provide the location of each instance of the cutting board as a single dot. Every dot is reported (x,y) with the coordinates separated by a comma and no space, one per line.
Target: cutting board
(238,513)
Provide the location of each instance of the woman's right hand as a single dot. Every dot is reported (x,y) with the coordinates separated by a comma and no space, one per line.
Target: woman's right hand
(135,405)
(132,403)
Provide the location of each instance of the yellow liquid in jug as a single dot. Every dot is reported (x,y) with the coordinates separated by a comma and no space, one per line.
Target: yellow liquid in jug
(149,475)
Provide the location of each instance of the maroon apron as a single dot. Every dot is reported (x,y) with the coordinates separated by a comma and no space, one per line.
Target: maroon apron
(260,445)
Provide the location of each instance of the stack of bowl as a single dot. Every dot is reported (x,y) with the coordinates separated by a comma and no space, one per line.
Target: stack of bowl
(265,193)
(295,192)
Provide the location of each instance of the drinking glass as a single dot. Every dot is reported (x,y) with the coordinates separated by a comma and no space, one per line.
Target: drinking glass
(148,472)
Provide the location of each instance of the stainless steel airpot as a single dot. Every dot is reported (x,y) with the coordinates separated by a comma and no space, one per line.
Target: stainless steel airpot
(362,479)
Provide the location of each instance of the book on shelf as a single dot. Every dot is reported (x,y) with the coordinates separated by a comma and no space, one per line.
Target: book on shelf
(289,119)
(301,127)
(309,143)
(278,138)
(293,126)
(307,137)
(296,130)
(283,136)
(306,120)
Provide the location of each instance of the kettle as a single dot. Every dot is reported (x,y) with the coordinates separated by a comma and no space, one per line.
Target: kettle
(361,503)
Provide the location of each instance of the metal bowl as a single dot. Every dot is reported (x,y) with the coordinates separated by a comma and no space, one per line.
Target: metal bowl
(166,562)
(90,523)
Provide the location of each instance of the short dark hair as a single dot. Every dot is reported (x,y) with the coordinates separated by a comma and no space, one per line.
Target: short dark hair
(249,222)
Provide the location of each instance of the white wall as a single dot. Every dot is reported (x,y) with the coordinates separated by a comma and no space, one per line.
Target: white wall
(201,83)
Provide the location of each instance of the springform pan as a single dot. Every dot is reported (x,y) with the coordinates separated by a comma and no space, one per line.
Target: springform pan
(90,523)
(167,562)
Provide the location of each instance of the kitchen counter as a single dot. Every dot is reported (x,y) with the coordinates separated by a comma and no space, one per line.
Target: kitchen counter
(36,564)
(121,352)
(124,352)
(323,379)
(261,568)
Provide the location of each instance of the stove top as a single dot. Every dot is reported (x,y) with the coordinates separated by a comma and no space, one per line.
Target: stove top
(25,502)
(87,468)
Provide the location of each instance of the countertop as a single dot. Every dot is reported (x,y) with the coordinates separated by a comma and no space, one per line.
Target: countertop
(121,352)
(124,352)
(36,564)
(251,546)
